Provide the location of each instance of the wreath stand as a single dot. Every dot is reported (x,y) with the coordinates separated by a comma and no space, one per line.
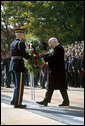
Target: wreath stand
(32,87)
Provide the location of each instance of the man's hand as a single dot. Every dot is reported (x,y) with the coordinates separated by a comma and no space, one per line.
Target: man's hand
(44,52)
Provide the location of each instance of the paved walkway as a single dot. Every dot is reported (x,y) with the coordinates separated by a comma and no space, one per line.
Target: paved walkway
(36,114)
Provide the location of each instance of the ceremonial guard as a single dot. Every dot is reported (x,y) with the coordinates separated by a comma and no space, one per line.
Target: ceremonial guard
(17,51)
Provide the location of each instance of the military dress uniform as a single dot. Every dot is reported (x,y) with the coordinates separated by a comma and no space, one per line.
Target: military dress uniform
(17,51)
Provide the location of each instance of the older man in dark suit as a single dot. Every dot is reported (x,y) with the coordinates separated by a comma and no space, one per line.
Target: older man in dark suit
(57,77)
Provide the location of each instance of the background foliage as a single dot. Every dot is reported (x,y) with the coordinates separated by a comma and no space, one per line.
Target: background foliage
(44,19)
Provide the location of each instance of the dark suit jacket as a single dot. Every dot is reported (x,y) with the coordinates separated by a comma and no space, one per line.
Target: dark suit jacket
(57,77)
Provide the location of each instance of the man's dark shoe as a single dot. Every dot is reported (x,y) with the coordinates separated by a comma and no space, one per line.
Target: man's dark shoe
(8,86)
(45,103)
(42,87)
(20,106)
(64,104)
(12,103)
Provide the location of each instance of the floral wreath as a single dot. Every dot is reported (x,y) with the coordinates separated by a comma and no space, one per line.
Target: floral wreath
(35,63)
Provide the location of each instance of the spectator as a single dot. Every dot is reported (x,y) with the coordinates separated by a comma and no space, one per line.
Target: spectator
(6,63)
(73,52)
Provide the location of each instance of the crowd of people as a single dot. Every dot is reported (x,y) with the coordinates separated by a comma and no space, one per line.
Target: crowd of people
(74,66)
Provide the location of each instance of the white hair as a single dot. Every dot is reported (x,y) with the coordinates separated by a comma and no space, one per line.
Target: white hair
(17,34)
(53,39)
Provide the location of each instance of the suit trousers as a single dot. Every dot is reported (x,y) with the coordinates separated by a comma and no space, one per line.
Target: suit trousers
(49,94)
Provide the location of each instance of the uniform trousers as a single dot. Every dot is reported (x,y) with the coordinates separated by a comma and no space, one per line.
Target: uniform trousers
(19,87)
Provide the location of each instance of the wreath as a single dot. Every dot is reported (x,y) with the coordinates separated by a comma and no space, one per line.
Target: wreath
(35,63)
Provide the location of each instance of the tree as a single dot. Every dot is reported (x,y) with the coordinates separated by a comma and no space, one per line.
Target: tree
(62,19)
(7,36)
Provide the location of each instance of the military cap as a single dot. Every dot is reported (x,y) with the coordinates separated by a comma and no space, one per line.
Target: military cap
(19,30)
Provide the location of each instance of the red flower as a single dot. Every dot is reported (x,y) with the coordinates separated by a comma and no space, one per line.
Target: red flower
(34,61)
(36,66)
(33,51)
(37,52)
(29,45)
(37,56)
(32,42)
(7,52)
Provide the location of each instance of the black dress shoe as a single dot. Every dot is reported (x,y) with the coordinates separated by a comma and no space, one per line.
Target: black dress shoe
(64,104)
(12,103)
(20,106)
(45,103)
(42,87)
(8,86)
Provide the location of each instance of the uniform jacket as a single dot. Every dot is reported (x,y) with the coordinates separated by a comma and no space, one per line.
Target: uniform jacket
(17,48)
(57,77)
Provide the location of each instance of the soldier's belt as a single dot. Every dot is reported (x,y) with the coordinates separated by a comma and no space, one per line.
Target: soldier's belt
(17,57)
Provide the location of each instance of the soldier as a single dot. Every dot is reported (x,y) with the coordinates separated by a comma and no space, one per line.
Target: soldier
(57,77)
(6,63)
(43,76)
(17,51)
